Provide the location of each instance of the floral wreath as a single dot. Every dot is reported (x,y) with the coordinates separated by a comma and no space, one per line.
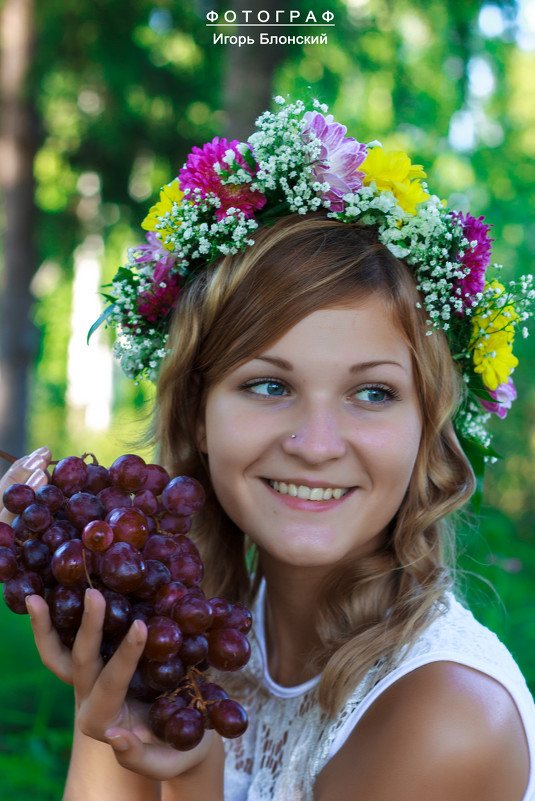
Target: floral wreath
(297,161)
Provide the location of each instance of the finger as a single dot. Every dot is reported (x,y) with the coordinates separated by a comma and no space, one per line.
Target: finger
(86,659)
(54,655)
(104,705)
(160,762)
(29,470)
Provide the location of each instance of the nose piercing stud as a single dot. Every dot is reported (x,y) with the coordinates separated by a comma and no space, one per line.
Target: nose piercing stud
(293,436)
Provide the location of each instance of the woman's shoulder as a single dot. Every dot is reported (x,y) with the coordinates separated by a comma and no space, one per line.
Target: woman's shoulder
(456,635)
(449,730)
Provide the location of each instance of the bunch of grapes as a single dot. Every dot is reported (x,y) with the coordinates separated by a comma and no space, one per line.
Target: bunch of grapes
(123,531)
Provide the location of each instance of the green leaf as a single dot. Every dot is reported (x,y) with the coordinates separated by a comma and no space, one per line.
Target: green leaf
(104,316)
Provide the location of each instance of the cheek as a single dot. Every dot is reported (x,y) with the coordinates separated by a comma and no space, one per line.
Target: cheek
(395,450)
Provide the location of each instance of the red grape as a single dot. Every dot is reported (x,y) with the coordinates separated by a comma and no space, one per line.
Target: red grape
(164,639)
(228,649)
(35,556)
(66,605)
(163,676)
(8,563)
(97,536)
(240,618)
(128,472)
(17,497)
(146,501)
(68,564)
(37,517)
(16,590)
(183,496)
(82,508)
(175,524)
(50,496)
(113,498)
(161,711)
(97,479)
(167,596)
(70,475)
(7,535)
(122,567)
(156,480)
(184,729)
(228,718)
(194,649)
(193,614)
(129,525)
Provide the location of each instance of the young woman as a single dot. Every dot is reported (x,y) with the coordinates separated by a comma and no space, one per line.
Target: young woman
(311,382)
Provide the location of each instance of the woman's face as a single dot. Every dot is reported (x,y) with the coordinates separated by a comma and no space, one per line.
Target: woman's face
(311,444)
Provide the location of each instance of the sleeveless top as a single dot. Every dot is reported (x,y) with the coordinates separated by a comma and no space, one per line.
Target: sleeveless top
(290,739)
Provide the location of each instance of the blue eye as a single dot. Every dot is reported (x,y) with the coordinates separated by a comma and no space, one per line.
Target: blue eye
(374,395)
(271,388)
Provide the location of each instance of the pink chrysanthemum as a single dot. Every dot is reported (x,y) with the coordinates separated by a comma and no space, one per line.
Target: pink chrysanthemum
(476,257)
(156,302)
(339,158)
(155,252)
(504,395)
(161,296)
(198,173)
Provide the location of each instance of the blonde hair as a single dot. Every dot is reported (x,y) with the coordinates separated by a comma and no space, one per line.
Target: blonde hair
(233,311)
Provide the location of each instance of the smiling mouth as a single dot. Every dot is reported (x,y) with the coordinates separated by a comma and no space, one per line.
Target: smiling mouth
(308,493)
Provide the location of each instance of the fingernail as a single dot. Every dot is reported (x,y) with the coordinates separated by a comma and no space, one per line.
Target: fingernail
(36,478)
(117,742)
(134,632)
(35,457)
(88,595)
(28,604)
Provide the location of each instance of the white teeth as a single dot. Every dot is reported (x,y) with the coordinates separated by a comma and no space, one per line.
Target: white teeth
(308,493)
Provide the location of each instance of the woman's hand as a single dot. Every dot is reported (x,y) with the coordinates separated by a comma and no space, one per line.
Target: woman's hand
(103,711)
(29,470)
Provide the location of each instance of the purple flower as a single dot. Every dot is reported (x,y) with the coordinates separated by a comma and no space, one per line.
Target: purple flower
(339,158)
(155,252)
(156,302)
(476,257)
(161,296)
(199,173)
(504,395)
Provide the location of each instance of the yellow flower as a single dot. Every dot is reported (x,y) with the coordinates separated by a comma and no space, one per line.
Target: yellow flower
(492,344)
(494,360)
(393,170)
(169,195)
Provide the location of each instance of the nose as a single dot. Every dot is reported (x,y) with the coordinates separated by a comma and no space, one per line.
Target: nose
(316,435)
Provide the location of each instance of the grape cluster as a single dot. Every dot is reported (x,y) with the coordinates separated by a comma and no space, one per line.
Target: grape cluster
(123,531)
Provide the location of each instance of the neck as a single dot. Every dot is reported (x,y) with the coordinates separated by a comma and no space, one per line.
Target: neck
(291,616)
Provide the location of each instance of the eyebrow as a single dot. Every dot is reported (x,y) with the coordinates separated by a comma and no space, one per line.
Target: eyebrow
(355,368)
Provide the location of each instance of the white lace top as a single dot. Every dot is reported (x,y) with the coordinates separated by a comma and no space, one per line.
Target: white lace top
(289,739)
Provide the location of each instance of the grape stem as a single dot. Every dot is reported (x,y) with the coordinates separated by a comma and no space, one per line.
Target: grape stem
(13,459)
(92,455)
(88,577)
(8,457)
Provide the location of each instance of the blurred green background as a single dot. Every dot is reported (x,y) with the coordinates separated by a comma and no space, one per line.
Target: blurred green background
(115,95)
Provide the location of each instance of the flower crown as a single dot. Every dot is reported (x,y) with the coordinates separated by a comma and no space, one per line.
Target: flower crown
(297,161)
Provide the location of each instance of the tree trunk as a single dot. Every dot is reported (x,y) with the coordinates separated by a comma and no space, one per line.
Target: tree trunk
(249,75)
(17,151)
